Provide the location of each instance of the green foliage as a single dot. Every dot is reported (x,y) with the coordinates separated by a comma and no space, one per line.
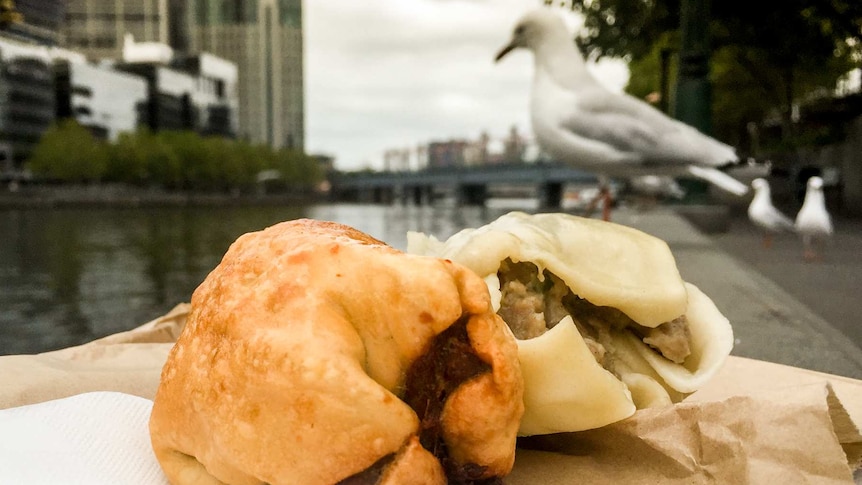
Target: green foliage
(68,152)
(199,168)
(179,160)
(646,71)
(766,55)
(144,158)
(787,29)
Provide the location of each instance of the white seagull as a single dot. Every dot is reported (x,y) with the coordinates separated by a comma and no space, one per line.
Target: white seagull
(657,186)
(764,215)
(649,189)
(813,222)
(577,120)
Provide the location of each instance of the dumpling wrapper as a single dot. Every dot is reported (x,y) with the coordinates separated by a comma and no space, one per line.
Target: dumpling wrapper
(561,375)
(605,263)
(609,265)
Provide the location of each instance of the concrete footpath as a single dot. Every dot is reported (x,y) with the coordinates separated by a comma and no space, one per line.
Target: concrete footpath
(768,322)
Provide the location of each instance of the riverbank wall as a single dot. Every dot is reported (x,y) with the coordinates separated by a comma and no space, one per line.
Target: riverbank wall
(117,195)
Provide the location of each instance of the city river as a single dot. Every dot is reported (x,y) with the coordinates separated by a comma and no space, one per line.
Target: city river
(68,276)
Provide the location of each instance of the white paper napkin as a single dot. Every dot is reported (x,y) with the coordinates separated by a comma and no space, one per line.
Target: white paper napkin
(89,439)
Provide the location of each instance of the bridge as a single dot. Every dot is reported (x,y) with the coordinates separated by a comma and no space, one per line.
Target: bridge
(469,185)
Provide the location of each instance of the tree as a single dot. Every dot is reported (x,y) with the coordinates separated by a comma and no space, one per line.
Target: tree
(68,152)
(199,169)
(175,160)
(142,158)
(766,55)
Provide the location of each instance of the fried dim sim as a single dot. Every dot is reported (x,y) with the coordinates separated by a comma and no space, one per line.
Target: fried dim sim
(604,322)
(316,354)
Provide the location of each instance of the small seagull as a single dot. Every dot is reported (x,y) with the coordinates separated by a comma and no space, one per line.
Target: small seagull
(657,186)
(764,215)
(577,120)
(813,222)
(647,190)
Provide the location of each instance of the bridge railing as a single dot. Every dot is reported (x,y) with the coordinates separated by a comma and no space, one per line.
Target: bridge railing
(468,184)
(512,173)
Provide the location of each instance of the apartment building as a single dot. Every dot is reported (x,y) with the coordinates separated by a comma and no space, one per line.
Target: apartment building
(446,154)
(104,100)
(182,97)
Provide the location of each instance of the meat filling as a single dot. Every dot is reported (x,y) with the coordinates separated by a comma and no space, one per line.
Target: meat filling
(449,362)
(531,305)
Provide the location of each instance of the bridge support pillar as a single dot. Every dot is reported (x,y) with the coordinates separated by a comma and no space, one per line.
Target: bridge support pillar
(550,195)
(472,194)
(383,195)
(404,194)
(365,196)
(420,194)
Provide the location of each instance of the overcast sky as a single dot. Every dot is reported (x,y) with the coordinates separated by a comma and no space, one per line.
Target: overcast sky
(383,74)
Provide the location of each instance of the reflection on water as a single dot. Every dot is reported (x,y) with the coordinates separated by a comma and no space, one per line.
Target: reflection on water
(68,276)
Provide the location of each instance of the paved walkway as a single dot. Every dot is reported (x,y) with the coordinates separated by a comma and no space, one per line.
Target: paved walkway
(769,322)
(831,287)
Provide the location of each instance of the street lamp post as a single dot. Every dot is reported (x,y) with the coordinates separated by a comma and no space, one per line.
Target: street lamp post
(693,97)
(693,101)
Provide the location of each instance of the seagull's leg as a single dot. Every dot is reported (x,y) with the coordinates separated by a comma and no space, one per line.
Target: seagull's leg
(608,200)
(604,195)
(767,240)
(817,248)
(808,254)
(588,212)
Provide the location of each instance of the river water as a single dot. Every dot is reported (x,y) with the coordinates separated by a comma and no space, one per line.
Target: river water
(68,276)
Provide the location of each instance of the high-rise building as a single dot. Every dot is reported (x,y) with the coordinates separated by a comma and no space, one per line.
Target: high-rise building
(262,37)
(35,21)
(446,154)
(98,27)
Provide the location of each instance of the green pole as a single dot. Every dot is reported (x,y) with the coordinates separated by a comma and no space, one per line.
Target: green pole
(692,104)
(693,98)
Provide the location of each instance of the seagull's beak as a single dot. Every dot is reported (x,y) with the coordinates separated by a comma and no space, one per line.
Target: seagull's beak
(504,51)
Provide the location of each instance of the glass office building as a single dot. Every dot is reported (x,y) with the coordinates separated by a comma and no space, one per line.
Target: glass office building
(40,21)
(27,100)
(262,37)
(98,27)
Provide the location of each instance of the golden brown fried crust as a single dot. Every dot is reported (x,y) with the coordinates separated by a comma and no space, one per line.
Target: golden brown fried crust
(293,367)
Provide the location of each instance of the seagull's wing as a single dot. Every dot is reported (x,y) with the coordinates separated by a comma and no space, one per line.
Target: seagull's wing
(765,215)
(781,220)
(604,122)
(630,124)
(718,178)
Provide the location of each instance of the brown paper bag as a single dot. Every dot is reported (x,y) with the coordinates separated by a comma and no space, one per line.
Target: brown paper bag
(770,438)
(129,362)
(755,422)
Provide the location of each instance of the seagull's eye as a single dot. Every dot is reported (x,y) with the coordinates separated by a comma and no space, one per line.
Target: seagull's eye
(519,30)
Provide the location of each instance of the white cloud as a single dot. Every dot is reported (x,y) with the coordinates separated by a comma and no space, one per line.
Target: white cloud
(384,74)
